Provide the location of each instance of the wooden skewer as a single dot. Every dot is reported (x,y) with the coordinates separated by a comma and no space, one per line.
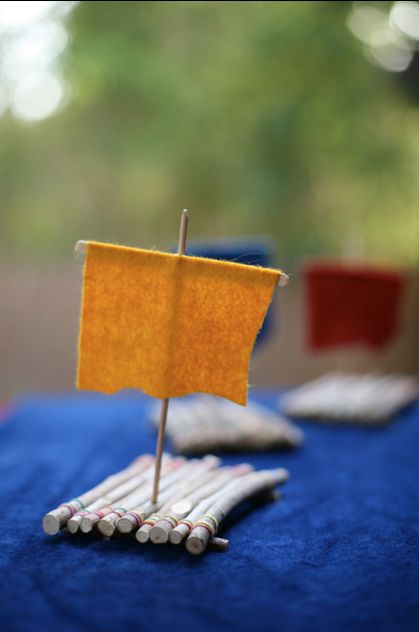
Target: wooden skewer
(165,402)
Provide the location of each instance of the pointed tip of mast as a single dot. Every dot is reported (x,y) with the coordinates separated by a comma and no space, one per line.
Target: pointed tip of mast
(80,247)
(283,279)
(183,232)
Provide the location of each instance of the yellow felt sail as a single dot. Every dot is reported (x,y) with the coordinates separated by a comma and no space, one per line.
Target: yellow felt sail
(167,324)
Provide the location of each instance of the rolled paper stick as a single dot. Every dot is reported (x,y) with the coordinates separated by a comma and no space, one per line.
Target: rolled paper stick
(124,491)
(160,532)
(56,519)
(207,525)
(107,524)
(209,496)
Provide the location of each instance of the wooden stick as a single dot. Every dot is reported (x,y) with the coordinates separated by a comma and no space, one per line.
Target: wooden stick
(160,532)
(207,524)
(113,495)
(184,527)
(165,402)
(135,517)
(107,524)
(158,511)
(180,505)
(117,495)
(205,470)
(56,519)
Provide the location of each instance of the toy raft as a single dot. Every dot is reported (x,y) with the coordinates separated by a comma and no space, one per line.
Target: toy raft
(195,497)
(202,424)
(169,325)
(370,399)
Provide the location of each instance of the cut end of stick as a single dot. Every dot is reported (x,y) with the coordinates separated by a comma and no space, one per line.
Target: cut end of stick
(159,534)
(106,528)
(143,534)
(86,525)
(197,541)
(124,525)
(176,537)
(195,545)
(51,524)
(73,525)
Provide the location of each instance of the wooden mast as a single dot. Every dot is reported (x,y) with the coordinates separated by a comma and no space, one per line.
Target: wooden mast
(165,402)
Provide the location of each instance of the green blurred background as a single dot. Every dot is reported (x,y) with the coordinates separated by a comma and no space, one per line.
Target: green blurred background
(264,117)
(299,120)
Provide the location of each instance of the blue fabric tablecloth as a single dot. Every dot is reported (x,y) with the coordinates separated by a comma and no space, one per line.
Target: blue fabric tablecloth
(339,552)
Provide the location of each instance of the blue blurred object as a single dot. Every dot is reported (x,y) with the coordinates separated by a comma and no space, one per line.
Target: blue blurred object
(257,251)
(340,552)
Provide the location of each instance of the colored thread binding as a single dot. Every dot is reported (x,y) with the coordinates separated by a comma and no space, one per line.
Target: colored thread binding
(208,522)
(151,520)
(70,508)
(76,500)
(170,518)
(81,514)
(137,517)
(98,513)
(119,512)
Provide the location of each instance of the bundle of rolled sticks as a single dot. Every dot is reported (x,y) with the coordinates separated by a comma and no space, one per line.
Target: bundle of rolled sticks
(202,424)
(195,496)
(365,399)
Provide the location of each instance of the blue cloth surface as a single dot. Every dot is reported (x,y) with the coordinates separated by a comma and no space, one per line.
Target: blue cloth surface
(339,552)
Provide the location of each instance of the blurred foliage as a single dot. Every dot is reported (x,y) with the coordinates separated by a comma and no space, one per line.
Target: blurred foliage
(260,117)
